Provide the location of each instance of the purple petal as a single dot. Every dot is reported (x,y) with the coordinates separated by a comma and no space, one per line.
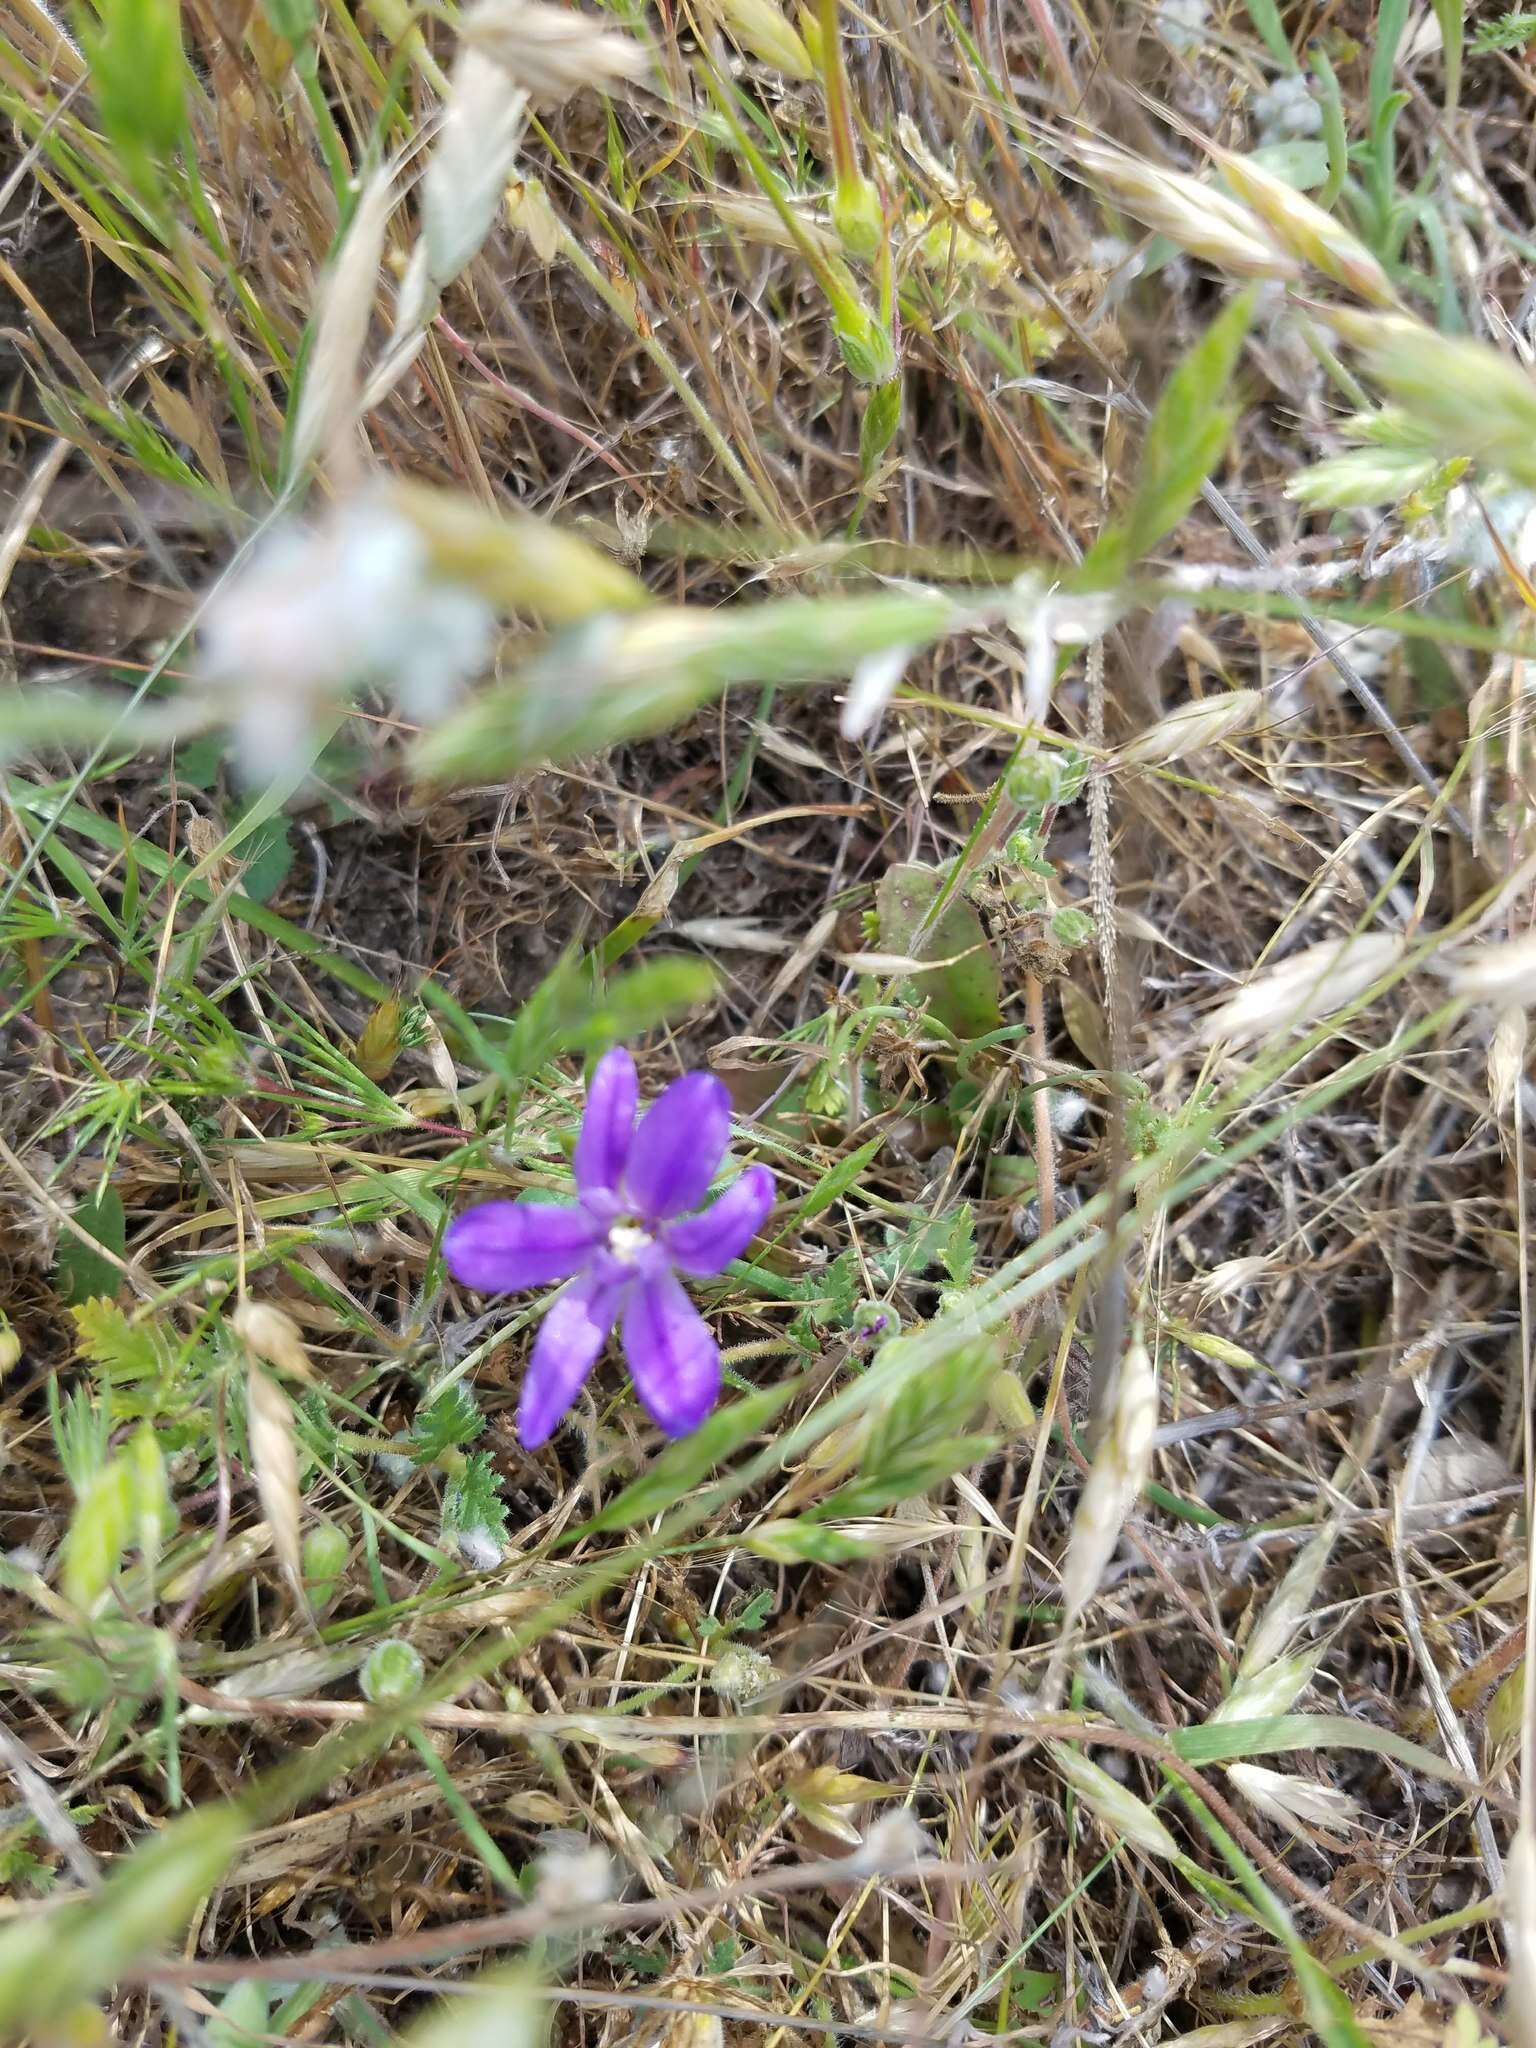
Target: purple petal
(707,1243)
(499,1247)
(673,1359)
(602,1150)
(679,1146)
(570,1337)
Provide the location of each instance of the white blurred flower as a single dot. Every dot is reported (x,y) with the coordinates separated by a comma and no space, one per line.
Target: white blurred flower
(1180,24)
(572,1872)
(870,689)
(319,611)
(1512,514)
(895,1840)
(1286,112)
(479,1548)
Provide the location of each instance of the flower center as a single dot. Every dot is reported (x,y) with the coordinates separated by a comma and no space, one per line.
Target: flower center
(627,1241)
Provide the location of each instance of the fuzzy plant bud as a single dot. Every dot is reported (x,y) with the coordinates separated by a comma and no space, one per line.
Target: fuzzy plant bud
(741,1675)
(1032,781)
(393,1674)
(1072,927)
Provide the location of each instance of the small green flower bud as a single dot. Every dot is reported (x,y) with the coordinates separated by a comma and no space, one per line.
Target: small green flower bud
(1072,927)
(874,1322)
(864,343)
(392,1674)
(1032,782)
(858,217)
(324,1559)
(1026,849)
(877,429)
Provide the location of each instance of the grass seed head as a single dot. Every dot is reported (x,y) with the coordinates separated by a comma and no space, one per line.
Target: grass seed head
(273,1336)
(1310,984)
(764,32)
(551,53)
(1204,723)
(1196,216)
(1122,1814)
(1120,1467)
(1292,1802)
(1304,231)
(275,1462)
(1463,396)
(1503,974)
(1506,1059)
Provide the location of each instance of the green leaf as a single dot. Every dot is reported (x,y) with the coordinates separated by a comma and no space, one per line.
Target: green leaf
(657,992)
(123,1503)
(451,1418)
(964,993)
(127,1351)
(505,2011)
(139,81)
(472,1500)
(958,1248)
(877,429)
(1218,1741)
(620,678)
(242,2017)
(52,1963)
(1303,163)
(1186,435)
(79,1272)
(1265,16)
(802,1542)
(1509,32)
(98,1535)
(685,1464)
(269,855)
(836,1182)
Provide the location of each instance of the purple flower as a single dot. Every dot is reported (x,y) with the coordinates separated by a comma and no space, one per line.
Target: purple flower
(622,1245)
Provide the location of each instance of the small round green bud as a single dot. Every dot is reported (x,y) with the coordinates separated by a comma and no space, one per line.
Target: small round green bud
(392,1674)
(1072,927)
(1032,781)
(324,1560)
(874,1322)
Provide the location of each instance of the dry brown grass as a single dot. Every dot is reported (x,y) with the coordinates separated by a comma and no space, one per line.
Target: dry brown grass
(1322,1240)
